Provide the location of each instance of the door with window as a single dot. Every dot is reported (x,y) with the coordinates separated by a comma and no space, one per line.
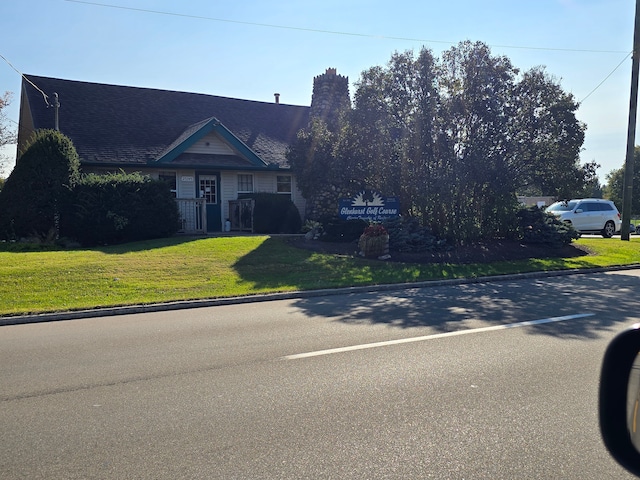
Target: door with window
(208,189)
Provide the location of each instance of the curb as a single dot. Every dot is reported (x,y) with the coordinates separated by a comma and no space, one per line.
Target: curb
(215,302)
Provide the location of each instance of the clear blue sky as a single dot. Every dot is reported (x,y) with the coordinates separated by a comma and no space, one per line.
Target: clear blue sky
(251,49)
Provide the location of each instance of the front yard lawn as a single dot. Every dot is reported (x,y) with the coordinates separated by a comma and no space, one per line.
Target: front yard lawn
(198,268)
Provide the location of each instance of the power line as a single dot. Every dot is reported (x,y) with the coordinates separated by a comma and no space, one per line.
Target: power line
(330,32)
(607,77)
(44,95)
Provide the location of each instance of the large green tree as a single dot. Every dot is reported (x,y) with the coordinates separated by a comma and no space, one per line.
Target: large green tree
(38,187)
(390,137)
(615,185)
(476,88)
(549,138)
(455,139)
(312,157)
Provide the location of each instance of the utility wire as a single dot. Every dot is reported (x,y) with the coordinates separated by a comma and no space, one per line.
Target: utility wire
(44,95)
(330,32)
(607,77)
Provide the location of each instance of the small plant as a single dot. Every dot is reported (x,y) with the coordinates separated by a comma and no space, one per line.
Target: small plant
(312,230)
(375,230)
(374,241)
(311,225)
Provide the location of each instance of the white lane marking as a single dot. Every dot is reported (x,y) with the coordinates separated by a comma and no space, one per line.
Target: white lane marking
(436,335)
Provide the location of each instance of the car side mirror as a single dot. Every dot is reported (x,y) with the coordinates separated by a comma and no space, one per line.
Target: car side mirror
(619,399)
(579,210)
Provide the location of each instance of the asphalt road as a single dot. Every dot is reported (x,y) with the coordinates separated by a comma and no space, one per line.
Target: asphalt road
(443,383)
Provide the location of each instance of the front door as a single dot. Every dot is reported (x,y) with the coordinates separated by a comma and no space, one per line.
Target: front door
(208,189)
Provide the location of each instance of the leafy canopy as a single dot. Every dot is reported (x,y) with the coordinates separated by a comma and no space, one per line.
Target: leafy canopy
(454,138)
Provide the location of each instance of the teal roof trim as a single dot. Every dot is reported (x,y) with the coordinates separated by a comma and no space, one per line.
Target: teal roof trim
(197,132)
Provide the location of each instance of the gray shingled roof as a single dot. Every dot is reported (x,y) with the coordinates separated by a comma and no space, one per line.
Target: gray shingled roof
(126,126)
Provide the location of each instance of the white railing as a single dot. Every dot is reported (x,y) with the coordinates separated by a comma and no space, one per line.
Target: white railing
(193,215)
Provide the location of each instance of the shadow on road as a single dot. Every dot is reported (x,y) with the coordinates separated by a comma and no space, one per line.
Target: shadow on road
(609,297)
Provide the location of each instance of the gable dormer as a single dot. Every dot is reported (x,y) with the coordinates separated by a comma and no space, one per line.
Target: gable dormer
(209,143)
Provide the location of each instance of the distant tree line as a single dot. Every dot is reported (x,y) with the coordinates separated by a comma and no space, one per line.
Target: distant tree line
(454,138)
(614,189)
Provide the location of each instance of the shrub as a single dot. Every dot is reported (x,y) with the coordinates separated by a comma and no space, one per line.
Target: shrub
(274,213)
(407,235)
(374,241)
(339,230)
(117,208)
(34,195)
(375,230)
(535,226)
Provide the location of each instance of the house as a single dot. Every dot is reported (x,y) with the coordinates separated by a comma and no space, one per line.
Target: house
(210,149)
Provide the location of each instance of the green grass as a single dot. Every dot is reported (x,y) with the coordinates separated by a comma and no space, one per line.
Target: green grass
(188,269)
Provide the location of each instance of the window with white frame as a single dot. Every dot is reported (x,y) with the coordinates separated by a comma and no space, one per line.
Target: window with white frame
(283,184)
(245,183)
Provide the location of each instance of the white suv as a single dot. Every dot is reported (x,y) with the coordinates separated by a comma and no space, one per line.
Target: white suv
(589,215)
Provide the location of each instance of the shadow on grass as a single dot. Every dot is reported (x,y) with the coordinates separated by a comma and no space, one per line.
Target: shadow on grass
(118,249)
(608,298)
(274,265)
(145,245)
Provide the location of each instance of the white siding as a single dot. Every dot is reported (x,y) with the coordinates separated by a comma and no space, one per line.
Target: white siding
(211,144)
(228,190)
(186,184)
(185,181)
(262,182)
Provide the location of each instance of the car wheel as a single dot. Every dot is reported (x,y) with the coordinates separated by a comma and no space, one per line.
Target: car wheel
(609,229)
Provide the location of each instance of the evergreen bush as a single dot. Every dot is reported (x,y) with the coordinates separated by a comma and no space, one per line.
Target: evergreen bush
(407,235)
(535,226)
(33,199)
(274,213)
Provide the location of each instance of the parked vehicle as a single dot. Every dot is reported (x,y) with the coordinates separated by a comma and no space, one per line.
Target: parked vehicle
(589,215)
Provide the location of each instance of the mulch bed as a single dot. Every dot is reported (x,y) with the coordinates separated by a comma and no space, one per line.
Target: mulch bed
(487,252)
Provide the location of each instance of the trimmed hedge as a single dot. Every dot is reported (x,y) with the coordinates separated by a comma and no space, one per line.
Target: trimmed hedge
(274,213)
(32,198)
(117,208)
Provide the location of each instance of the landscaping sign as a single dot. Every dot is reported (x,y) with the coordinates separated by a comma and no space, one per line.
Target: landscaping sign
(370,206)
